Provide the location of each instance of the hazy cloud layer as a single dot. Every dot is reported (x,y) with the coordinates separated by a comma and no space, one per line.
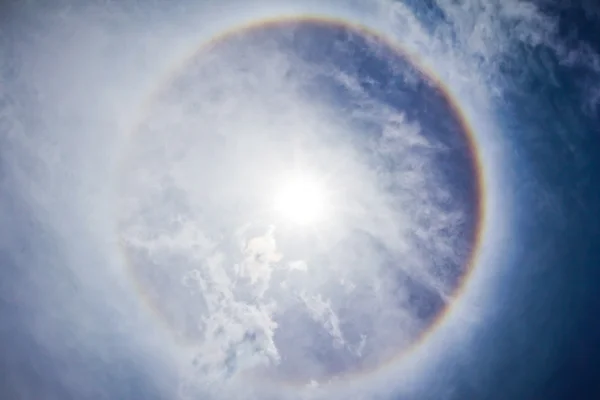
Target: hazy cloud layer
(145,178)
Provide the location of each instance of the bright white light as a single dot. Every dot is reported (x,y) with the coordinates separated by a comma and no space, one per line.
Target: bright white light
(302,199)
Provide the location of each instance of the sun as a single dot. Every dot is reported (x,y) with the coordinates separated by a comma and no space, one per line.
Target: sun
(302,199)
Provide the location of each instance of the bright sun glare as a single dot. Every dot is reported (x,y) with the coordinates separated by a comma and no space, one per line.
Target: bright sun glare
(301,199)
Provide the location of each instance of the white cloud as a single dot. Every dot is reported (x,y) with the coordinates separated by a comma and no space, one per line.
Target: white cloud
(321,311)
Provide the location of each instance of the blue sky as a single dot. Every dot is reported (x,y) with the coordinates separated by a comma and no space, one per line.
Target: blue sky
(112,165)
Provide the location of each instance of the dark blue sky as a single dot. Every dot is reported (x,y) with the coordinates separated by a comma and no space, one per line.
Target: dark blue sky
(563,209)
(550,304)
